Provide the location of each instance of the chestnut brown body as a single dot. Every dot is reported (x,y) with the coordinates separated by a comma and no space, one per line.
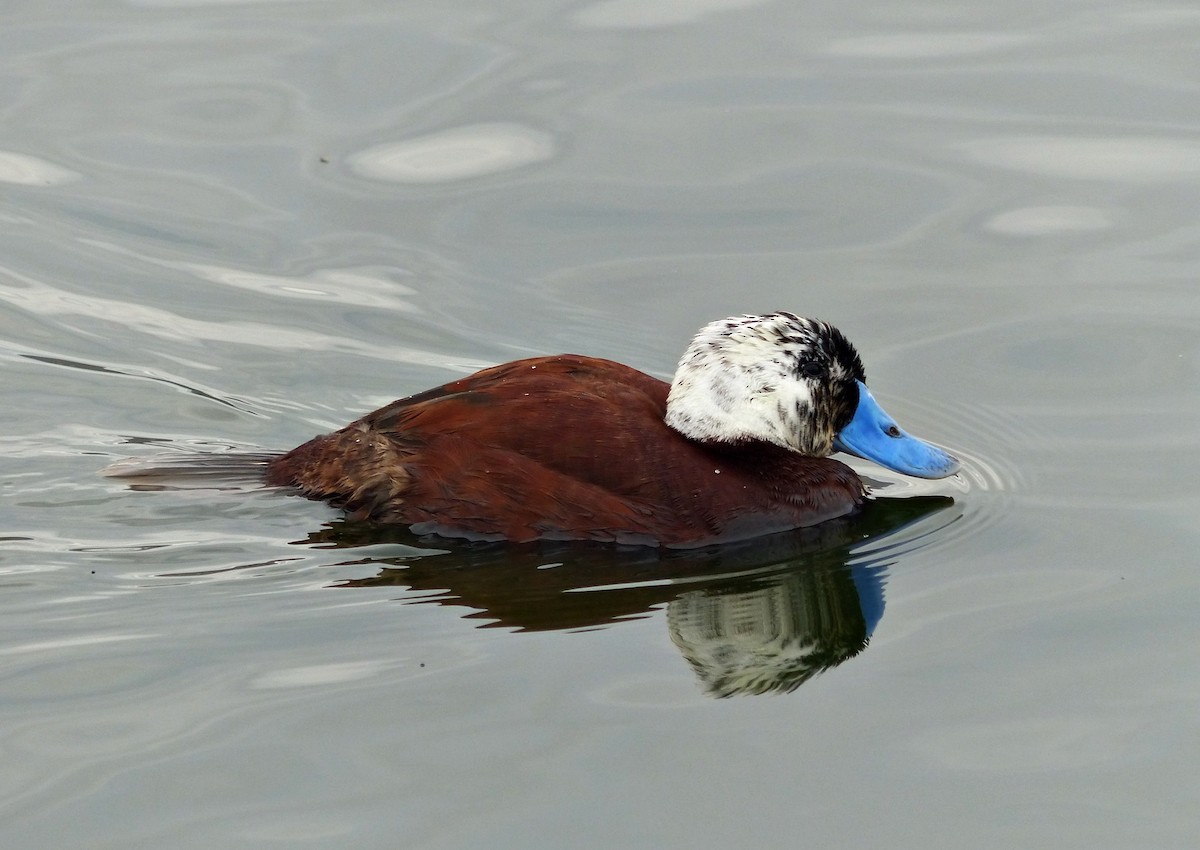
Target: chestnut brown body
(566,447)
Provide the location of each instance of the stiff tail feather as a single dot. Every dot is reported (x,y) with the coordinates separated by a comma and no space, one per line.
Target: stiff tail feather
(194,470)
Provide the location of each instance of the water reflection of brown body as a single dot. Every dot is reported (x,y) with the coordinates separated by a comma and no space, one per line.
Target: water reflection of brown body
(758,617)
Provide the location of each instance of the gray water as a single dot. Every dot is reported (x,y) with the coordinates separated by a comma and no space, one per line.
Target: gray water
(234,224)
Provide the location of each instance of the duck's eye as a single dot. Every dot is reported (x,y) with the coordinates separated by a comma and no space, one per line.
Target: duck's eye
(811,369)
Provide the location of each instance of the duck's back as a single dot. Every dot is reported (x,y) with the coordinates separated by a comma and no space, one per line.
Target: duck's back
(564,447)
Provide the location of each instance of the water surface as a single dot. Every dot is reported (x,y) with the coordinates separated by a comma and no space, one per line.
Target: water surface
(235,224)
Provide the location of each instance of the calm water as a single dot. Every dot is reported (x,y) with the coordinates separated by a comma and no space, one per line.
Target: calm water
(240,224)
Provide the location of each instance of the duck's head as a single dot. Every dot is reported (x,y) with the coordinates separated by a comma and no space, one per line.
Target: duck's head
(794,382)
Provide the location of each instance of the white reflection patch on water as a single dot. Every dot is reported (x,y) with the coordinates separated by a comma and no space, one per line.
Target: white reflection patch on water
(190,4)
(1126,159)
(45,300)
(25,170)
(927,45)
(362,287)
(457,154)
(71,643)
(345,286)
(1050,221)
(320,674)
(651,14)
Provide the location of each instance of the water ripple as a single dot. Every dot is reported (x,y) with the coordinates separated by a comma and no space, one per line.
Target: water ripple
(991,475)
(456,154)
(25,170)
(42,299)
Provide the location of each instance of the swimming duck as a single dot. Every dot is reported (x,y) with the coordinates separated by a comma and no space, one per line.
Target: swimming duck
(580,448)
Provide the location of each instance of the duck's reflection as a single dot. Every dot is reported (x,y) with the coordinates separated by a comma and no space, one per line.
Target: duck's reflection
(751,618)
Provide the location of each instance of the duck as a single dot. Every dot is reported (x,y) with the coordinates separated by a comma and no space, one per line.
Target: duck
(573,447)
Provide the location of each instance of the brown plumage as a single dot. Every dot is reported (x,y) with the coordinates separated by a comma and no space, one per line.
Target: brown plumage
(565,447)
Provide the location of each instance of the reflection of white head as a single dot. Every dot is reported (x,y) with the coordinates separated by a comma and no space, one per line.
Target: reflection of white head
(777,378)
(771,639)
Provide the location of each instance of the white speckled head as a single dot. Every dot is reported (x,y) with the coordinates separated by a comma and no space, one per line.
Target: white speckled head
(777,378)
